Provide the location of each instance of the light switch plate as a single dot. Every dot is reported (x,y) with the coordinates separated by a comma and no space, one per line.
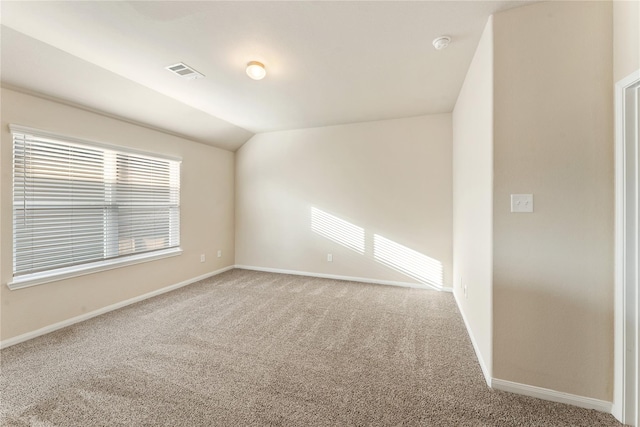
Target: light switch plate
(522,203)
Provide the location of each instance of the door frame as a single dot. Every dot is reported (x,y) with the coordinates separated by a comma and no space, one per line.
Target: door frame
(627,217)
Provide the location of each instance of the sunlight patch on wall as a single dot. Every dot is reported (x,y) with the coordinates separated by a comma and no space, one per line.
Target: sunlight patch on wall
(407,261)
(338,230)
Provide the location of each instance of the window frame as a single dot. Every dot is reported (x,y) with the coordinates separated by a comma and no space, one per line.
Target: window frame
(61,273)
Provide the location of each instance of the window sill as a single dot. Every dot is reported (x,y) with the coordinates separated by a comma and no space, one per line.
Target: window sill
(80,270)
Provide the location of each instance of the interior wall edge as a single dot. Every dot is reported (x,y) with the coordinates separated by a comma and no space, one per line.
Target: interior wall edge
(346,278)
(486,370)
(552,395)
(86,316)
(44,96)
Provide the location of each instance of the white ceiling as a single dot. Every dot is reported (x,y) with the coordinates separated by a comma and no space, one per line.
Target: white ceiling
(327,62)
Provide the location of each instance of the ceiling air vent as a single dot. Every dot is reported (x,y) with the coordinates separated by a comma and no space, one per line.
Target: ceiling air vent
(184,71)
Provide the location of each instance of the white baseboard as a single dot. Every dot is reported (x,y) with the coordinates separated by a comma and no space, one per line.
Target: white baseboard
(54,327)
(552,395)
(485,369)
(504,385)
(529,390)
(348,278)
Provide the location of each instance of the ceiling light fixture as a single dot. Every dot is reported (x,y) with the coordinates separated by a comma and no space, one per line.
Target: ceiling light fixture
(441,42)
(256,70)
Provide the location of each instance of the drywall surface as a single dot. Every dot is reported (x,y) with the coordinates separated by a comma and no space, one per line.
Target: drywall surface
(207,217)
(626,38)
(553,137)
(375,195)
(473,197)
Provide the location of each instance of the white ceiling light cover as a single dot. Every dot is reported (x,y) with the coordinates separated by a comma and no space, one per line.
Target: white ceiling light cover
(369,66)
(256,70)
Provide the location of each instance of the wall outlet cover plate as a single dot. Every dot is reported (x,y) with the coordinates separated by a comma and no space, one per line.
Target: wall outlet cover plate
(522,203)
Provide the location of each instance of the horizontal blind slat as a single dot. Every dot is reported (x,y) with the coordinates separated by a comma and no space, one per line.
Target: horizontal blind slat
(76,203)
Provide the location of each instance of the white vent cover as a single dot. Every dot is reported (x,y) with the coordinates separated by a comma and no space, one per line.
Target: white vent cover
(184,71)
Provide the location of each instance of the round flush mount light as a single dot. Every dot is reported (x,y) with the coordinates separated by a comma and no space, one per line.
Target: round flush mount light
(441,42)
(256,70)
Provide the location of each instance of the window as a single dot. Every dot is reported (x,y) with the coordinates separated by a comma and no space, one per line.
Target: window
(80,207)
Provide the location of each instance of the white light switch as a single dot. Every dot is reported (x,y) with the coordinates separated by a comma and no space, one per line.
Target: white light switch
(330,257)
(522,203)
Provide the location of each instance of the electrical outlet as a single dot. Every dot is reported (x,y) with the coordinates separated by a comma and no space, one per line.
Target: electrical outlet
(329,257)
(202,258)
(219,253)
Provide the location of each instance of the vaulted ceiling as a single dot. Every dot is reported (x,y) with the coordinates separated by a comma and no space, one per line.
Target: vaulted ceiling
(327,62)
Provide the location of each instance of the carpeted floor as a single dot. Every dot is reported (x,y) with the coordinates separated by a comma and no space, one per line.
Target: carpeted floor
(263,349)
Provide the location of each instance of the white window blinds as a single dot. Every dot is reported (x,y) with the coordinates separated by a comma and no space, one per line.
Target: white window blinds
(77,203)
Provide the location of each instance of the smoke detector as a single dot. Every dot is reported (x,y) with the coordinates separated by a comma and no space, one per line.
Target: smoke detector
(184,71)
(441,42)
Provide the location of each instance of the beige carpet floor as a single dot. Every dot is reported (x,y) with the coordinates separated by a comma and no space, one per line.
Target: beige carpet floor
(263,349)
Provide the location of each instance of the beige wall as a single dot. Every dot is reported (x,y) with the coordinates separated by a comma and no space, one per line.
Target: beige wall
(626,38)
(534,116)
(473,197)
(553,137)
(207,223)
(391,178)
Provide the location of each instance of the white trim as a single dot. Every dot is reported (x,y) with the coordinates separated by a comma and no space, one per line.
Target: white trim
(483,365)
(63,324)
(619,409)
(527,390)
(65,138)
(94,267)
(347,278)
(552,395)
(618,321)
